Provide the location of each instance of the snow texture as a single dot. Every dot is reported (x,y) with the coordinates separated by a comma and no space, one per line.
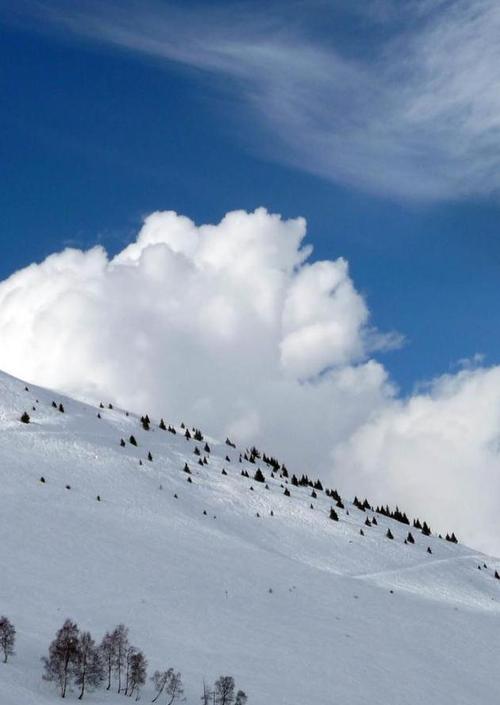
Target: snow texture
(301,610)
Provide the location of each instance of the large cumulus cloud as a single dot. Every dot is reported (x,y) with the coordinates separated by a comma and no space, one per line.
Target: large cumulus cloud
(229,326)
(233,327)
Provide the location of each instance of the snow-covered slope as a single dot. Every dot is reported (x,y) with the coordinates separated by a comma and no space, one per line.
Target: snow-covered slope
(300,609)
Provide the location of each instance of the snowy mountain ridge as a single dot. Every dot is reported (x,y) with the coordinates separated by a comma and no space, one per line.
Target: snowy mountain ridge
(217,573)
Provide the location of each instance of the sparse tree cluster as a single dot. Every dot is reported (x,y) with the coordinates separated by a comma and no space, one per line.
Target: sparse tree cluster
(75,660)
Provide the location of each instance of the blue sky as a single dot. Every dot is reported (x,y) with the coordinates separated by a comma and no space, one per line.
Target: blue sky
(97,132)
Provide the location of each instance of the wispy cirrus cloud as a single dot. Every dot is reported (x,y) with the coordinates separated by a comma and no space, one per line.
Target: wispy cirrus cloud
(411,111)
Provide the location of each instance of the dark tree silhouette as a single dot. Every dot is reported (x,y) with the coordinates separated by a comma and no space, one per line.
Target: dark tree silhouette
(25,418)
(64,653)
(89,666)
(7,638)
(120,638)
(168,683)
(241,698)
(138,673)
(224,690)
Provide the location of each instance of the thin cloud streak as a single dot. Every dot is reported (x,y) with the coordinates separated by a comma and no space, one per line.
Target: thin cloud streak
(418,118)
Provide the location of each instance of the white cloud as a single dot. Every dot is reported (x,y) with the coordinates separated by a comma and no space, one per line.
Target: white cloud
(414,115)
(436,453)
(228,326)
(233,328)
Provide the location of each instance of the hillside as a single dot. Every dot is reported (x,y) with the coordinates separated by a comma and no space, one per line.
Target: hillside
(300,609)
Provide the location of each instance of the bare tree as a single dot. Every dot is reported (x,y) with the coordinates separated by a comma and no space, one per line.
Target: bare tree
(120,638)
(89,666)
(138,673)
(241,698)
(206,696)
(128,666)
(108,655)
(63,656)
(170,683)
(224,690)
(7,638)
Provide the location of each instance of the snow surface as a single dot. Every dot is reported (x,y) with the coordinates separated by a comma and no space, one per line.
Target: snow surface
(301,610)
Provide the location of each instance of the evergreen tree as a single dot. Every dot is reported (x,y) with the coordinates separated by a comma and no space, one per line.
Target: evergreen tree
(132,441)
(7,638)
(389,534)
(259,477)
(162,425)
(25,418)
(410,538)
(333,514)
(426,529)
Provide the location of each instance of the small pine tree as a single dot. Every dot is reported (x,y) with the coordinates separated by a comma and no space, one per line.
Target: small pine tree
(286,492)
(429,550)
(333,514)
(122,443)
(25,418)
(132,441)
(61,408)
(259,477)
(389,534)
(7,638)
(150,457)
(426,529)
(410,538)
(367,522)
(162,425)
